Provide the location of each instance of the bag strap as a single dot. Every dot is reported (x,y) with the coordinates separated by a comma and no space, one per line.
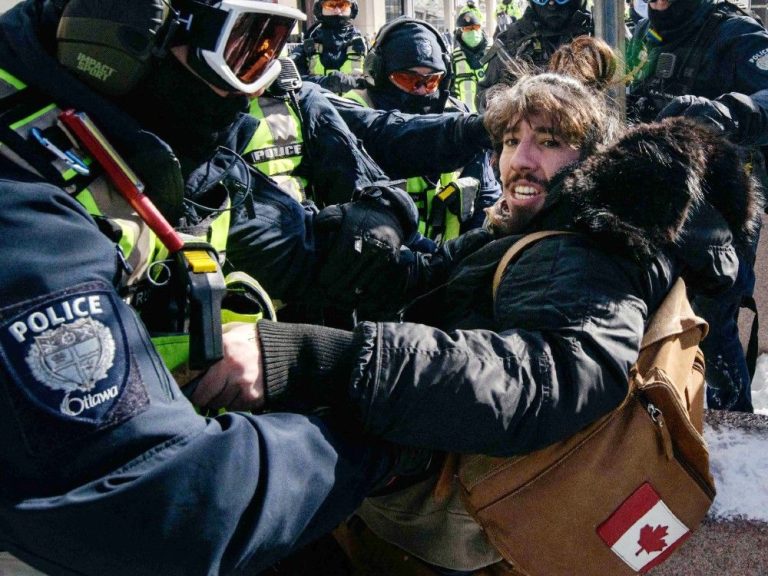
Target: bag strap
(671,344)
(517,248)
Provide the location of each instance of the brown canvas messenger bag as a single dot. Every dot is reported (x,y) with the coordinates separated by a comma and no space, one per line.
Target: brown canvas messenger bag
(622,494)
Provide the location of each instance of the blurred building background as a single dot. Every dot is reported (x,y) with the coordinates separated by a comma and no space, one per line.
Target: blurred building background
(441,13)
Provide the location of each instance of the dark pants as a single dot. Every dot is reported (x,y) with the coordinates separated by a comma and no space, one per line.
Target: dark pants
(729,386)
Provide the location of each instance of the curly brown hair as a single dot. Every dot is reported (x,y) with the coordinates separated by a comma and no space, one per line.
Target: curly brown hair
(579,115)
(589,60)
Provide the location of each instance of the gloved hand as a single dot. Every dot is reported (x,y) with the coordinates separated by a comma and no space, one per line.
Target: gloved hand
(709,112)
(339,82)
(361,243)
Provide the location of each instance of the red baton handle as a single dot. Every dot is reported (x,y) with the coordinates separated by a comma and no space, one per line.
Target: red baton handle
(121,175)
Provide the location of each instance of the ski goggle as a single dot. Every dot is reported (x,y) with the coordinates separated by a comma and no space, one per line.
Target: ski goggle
(545,2)
(337,4)
(410,81)
(250,39)
(471,28)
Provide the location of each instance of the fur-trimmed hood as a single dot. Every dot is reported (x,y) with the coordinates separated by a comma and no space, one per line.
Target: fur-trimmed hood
(657,187)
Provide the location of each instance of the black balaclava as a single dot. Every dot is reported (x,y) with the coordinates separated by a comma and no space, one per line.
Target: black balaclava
(409,45)
(182,109)
(667,22)
(334,22)
(555,16)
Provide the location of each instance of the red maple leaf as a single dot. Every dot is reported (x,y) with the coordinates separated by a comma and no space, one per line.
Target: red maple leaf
(652,539)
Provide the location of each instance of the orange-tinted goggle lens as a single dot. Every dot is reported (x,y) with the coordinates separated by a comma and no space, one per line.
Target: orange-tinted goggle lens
(340,4)
(471,28)
(411,81)
(255,41)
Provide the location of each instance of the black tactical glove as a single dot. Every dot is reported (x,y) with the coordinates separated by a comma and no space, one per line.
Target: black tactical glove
(361,243)
(709,112)
(339,82)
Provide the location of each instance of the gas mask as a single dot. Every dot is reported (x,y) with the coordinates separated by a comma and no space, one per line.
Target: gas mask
(555,15)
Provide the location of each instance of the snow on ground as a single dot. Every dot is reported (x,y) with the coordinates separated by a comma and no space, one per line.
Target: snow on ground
(739,460)
(760,386)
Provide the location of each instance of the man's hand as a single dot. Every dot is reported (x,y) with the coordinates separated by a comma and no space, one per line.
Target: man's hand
(709,112)
(236,382)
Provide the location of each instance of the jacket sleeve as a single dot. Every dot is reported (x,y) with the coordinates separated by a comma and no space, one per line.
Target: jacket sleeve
(399,142)
(744,53)
(569,323)
(107,467)
(301,59)
(335,163)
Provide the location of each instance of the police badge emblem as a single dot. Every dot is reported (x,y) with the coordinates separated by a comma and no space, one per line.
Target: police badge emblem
(73,356)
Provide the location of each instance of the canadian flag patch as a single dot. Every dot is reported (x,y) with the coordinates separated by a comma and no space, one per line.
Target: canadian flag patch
(643,531)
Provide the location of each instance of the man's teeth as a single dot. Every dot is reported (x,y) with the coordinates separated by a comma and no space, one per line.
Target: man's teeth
(525,191)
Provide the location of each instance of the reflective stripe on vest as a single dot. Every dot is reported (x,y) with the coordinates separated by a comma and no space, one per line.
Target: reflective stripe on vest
(277,145)
(353,63)
(422,193)
(465,79)
(420,190)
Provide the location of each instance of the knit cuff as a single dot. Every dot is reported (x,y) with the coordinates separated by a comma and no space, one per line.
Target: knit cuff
(305,366)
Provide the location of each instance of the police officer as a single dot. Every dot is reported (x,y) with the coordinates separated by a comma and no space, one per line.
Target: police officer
(108,469)
(409,70)
(507,12)
(708,60)
(470,46)
(545,25)
(471,8)
(333,51)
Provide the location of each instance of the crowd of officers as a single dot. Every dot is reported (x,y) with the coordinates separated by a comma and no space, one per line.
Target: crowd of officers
(286,201)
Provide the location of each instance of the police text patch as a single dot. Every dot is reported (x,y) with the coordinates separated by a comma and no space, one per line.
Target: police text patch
(67,352)
(760,59)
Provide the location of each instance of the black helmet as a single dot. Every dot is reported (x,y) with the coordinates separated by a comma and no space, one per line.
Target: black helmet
(468,18)
(110,44)
(317,10)
(556,15)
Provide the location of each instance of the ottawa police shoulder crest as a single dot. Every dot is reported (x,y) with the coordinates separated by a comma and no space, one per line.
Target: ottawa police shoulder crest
(67,353)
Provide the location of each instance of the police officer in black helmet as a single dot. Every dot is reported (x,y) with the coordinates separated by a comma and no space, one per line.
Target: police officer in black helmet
(708,60)
(107,468)
(333,51)
(544,26)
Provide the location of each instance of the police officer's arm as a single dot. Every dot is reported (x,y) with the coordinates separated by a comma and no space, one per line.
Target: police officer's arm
(406,145)
(107,467)
(742,113)
(301,59)
(334,162)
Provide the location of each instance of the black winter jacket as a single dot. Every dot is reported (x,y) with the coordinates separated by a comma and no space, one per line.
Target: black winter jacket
(552,352)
